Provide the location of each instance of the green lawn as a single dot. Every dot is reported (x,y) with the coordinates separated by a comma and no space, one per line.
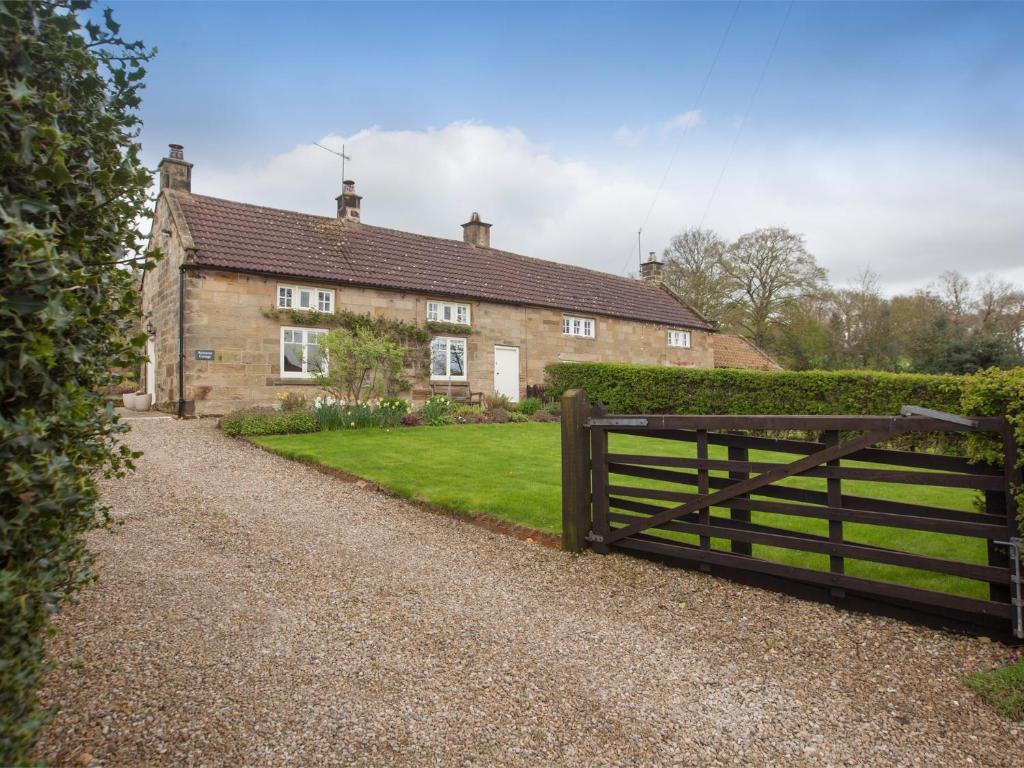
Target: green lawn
(512,471)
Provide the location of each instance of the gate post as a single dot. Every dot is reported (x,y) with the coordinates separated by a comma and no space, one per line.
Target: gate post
(575,470)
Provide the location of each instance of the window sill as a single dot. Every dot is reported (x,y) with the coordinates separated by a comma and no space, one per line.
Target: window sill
(288,381)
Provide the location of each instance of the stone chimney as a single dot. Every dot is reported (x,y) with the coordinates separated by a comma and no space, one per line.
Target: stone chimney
(175,173)
(348,202)
(652,271)
(476,232)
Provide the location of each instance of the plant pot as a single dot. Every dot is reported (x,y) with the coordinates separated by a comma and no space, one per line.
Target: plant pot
(129,399)
(141,401)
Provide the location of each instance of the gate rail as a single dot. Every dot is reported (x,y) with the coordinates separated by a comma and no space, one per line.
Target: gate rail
(603,512)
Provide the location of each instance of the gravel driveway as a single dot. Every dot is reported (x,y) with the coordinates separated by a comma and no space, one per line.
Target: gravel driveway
(252,611)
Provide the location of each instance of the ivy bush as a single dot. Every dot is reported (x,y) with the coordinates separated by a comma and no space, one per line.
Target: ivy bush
(654,389)
(72,192)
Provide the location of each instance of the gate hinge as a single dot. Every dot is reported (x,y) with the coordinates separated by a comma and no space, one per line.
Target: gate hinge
(594,537)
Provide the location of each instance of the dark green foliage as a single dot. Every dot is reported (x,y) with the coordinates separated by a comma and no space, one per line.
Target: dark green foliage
(268,421)
(72,189)
(652,389)
(438,328)
(529,405)
(995,393)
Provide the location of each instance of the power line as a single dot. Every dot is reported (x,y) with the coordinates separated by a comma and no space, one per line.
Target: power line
(746,116)
(687,126)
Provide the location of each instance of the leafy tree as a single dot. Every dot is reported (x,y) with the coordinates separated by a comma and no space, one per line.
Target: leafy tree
(361,364)
(693,270)
(766,271)
(72,191)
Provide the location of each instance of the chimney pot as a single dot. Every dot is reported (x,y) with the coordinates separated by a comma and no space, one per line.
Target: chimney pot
(175,173)
(476,232)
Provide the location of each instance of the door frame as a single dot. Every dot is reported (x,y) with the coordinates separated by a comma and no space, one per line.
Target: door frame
(519,369)
(151,367)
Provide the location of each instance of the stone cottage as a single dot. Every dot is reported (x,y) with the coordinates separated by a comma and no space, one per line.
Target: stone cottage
(221,306)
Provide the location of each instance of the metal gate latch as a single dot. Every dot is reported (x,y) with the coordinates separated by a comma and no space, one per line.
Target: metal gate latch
(594,537)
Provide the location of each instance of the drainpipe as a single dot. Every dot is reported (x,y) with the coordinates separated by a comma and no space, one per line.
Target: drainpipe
(181,341)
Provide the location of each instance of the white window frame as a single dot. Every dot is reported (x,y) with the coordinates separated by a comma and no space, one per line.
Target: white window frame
(304,373)
(316,298)
(684,339)
(437,311)
(579,327)
(448,359)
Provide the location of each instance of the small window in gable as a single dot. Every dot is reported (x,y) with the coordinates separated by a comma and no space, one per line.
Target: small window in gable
(679,339)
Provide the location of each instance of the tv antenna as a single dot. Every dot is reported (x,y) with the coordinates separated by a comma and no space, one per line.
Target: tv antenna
(341,154)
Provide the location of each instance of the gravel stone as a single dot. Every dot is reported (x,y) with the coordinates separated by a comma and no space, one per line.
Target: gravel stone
(254,611)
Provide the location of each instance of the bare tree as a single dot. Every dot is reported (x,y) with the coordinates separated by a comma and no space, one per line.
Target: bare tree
(998,305)
(693,270)
(766,270)
(955,291)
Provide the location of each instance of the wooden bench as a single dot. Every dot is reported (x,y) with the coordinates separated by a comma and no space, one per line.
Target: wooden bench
(460,392)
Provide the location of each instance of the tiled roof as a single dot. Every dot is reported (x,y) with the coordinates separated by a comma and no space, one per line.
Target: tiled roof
(737,352)
(251,238)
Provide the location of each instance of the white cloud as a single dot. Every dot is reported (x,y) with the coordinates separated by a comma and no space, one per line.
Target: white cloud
(631,136)
(907,210)
(683,120)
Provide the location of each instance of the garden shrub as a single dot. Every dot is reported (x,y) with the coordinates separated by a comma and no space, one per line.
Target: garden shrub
(996,392)
(73,193)
(498,416)
(269,421)
(544,416)
(411,420)
(292,401)
(529,405)
(390,411)
(517,418)
(653,389)
(497,401)
(464,413)
(437,411)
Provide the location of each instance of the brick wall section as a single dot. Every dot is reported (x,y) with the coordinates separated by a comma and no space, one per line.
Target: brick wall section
(225,313)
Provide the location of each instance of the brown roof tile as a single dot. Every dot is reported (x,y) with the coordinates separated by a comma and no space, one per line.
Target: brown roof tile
(737,352)
(251,238)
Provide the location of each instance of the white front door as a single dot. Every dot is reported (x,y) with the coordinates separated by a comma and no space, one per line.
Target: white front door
(506,372)
(151,368)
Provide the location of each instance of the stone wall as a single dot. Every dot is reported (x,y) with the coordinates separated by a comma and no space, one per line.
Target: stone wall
(160,302)
(225,312)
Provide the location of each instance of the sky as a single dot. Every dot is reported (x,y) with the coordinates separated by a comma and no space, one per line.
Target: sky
(891,135)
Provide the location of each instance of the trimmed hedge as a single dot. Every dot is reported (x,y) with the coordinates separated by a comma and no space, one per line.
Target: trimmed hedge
(654,389)
(267,421)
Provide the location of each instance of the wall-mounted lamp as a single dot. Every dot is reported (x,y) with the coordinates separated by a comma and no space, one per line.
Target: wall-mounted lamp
(150,329)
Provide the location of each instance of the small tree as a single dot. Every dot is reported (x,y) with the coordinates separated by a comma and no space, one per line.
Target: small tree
(766,271)
(693,270)
(361,364)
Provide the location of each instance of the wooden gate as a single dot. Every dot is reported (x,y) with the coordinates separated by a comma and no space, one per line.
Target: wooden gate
(707,502)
